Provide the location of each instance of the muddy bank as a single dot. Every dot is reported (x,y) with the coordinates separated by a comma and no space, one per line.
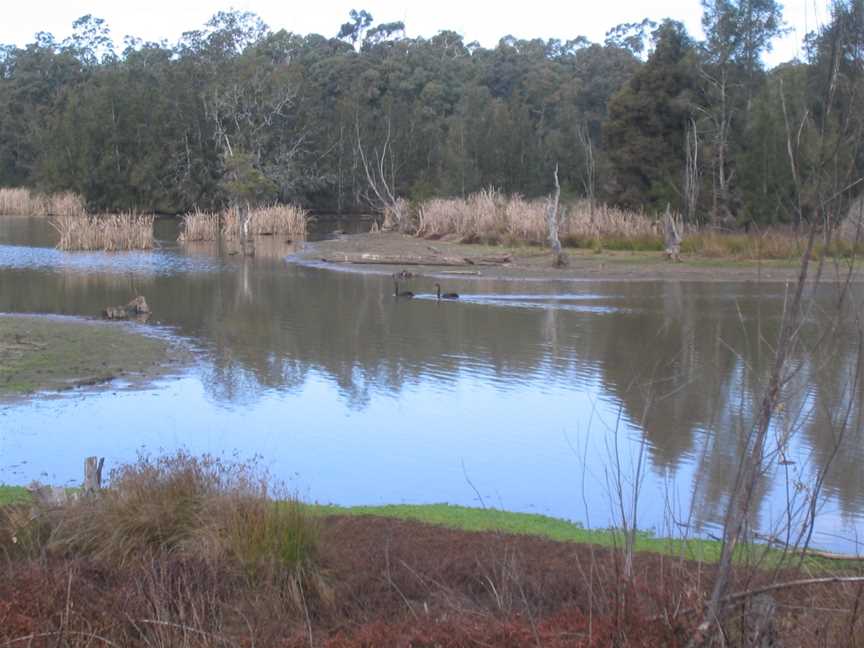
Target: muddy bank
(43,354)
(534,263)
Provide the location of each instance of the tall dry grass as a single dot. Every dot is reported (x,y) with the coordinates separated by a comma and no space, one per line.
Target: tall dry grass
(192,508)
(481,217)
(199,226)
(24,202)
(778,243)
(271,220)
(106,232)
(491,217)
(184,541)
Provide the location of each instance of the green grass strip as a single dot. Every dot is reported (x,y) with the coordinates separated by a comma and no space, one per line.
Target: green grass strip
(475,519)
(493,520)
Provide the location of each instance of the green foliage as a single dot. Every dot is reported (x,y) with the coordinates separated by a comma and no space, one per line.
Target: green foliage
(644,134)
(243,183)
(236,112)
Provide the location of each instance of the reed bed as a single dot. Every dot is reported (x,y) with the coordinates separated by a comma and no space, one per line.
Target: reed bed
(491,217)
(290,220)
(199,226)
(779,243)
(107,232)
(24,202)
(271,220)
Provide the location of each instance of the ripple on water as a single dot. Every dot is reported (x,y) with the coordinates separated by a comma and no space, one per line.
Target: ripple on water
(579,303)
(156,262)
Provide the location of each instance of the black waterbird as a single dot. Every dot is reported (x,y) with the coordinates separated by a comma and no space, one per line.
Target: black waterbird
(396,293)
(445,295)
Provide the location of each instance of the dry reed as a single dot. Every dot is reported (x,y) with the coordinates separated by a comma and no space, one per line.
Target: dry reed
(23,202)
(199,226)
(271,220)
(106,232)
(490,217)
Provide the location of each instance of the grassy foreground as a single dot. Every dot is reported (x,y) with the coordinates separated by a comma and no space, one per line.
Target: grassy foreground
(201,553)
(479,520)
(491,520)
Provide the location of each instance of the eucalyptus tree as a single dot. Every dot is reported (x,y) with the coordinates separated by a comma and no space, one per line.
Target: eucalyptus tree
(737,33)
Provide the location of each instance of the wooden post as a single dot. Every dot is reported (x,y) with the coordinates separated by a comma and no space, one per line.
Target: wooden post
(93,474)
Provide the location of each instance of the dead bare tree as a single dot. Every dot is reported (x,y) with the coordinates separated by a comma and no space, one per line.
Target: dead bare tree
(383,196)
(559,258)
(720,117)
(672,234)
(692,177)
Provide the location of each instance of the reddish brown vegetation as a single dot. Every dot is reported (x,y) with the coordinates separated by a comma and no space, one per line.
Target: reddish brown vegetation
(394,583)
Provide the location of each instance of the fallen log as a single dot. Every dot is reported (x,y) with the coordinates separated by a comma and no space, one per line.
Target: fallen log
(495,259)
(417,260)
(375,259)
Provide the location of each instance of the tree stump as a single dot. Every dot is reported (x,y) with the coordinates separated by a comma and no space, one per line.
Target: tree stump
(93,474)
(672,237)
(559,258)
(762,633)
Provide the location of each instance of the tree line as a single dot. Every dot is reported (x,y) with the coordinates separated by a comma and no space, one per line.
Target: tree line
(650,117)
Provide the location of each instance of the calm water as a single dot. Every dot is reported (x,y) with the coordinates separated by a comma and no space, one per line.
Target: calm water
(520,396)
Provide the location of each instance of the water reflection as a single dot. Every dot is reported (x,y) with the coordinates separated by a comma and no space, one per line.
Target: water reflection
(371,399)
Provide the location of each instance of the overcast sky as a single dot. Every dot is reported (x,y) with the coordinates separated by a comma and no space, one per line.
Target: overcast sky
(485,22)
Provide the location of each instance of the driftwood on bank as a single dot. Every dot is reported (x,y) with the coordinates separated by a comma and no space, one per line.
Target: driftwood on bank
(45,496)
(417,260)
(137,308)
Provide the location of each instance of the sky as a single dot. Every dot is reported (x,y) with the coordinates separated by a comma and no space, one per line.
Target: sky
(154,20)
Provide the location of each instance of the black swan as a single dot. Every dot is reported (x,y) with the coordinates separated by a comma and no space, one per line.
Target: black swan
(445,295)
(396,293)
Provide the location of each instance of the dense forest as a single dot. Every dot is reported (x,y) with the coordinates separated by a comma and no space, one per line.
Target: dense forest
(651,117)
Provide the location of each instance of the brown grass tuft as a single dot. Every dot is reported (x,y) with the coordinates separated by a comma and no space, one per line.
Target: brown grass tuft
(272,220)
(107,232)
(199,226)
(23,202)
(491,217)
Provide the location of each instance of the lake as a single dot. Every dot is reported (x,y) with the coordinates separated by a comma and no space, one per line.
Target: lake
(529,396)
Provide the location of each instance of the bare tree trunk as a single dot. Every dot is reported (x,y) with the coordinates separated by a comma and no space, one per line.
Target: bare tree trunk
(691,172)
(589,175)
(247,242)
(725,215)
(383,198)
(559,259)
(672,236)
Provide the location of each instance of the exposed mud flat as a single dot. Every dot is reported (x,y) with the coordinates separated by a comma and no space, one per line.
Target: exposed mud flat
(49,354)
(535,263)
